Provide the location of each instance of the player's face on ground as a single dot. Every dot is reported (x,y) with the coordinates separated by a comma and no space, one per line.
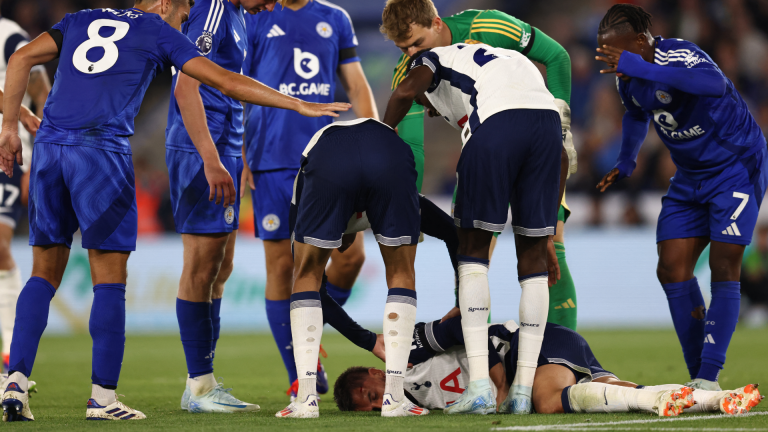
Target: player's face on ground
(255,6)
(422,38)
(370,395)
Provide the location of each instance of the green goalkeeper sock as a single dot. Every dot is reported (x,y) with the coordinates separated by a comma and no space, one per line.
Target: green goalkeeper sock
(562,295)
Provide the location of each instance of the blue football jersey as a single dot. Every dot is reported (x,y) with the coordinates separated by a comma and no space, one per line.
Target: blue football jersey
(298,54)
(217,27)
(704,134)
(107,60)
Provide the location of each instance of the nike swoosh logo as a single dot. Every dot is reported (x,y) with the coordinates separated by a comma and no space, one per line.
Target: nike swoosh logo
(605,396)
(230,405)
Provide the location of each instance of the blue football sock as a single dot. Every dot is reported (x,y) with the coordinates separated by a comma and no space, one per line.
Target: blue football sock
(196,336)
(31,319)
(279,317)
(688,311)
(339,294)
(107,327)
(721,323)
(216,321)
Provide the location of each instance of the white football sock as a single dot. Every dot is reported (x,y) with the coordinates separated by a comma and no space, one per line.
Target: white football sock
(534,307)
(706,401)
(599,397)
(102,396)
(20,379)
(202,384)
(307,330)
(399,320)
(475,304)
(10,288)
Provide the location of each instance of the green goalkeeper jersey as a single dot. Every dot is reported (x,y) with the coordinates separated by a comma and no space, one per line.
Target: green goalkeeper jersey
(496,29)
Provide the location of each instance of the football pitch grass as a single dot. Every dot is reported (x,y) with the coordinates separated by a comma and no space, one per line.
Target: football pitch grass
(153,378)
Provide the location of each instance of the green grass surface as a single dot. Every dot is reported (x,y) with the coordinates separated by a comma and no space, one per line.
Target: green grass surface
(153,379)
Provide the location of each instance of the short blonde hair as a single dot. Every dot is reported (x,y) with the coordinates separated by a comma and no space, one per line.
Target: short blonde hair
(398,16)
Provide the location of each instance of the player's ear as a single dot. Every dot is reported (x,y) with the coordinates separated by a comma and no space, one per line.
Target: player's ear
(437,24)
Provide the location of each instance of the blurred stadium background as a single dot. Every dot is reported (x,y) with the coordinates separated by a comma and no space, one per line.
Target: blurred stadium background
(610,239)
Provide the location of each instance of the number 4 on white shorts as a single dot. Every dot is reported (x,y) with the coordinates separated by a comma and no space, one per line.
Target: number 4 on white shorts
(732,229)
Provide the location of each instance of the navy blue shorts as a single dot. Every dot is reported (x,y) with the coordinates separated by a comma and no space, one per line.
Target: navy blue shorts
(723,208)
(272,203)
(192,212)
(361,168)
(513,158)
(10,197)
(561,346)
(73,187)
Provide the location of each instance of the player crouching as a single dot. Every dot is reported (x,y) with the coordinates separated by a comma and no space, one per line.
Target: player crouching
(346,169)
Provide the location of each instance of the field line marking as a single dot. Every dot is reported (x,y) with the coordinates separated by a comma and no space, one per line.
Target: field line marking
(576,426)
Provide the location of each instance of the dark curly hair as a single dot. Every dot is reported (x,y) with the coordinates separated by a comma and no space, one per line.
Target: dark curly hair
(349,380)
(623,17)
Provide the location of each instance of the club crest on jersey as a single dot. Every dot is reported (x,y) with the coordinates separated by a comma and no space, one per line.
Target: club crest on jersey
(270,222)
(205,43)
(229,215)
(663,97)
(324,29)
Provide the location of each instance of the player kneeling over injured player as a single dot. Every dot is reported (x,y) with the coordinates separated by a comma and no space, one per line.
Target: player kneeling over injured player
(348,168)
(511,156)
(569,379)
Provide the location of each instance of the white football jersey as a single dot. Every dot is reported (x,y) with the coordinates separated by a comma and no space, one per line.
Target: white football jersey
(472,82)
(440,380)
(13,37)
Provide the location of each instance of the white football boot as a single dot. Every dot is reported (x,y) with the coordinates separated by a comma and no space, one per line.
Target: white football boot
(185,398)
(32,385)
(702,384)
(16,403)
(306,409)
(404,408)
(114,411)
(476,399)
(671,403)
(219,400)
(518,401)
(740,401)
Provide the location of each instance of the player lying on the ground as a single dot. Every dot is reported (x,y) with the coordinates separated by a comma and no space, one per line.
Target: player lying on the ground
(568,376)
(349,168)
(721,179)
(513,155)
(82,173)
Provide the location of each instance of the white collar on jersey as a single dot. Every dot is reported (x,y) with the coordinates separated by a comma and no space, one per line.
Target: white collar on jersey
(319,133)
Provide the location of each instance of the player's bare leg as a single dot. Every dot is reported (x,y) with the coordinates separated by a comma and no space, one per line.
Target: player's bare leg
(306,326)
(475,303)
(10,288)
(344,268)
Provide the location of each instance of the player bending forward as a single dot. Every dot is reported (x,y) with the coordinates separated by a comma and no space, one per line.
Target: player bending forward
(82,174)
(569,379)
(512,155)
(349,168)
(722,175)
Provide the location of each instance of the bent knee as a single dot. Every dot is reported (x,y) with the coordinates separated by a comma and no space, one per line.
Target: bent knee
(548,405)
(673,271)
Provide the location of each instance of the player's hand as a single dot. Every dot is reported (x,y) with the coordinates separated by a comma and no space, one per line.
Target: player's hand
(553,267)
(610,57)
(30,121)
(246,180)
(220,183)
(608,179)
(451,314)
(309,109)
(433,112)
(10,150)
(346,241)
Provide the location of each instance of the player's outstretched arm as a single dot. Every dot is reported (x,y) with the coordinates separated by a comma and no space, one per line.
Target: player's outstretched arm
(634,128)
(251,91)
(417,82)
(187,94)
(41,50)
(359,91)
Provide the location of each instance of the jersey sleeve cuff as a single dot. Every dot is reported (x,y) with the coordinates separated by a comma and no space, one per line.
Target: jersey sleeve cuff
(350,60)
